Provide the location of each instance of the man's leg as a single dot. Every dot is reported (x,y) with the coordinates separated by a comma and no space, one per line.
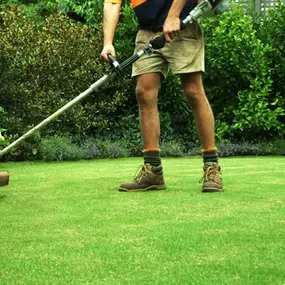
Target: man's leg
(196,97)
(194,91)
(150,177)
(147,94)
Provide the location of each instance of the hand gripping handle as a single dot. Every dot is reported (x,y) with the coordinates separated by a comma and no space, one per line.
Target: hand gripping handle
(158,41)
(115,65)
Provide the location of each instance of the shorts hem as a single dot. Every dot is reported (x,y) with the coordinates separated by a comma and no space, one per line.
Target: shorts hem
(188,71)
(146,72)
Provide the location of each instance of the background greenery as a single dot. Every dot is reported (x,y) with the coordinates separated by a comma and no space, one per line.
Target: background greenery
(49,53)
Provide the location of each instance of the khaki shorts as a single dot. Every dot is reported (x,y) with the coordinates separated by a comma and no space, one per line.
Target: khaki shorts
(184,54)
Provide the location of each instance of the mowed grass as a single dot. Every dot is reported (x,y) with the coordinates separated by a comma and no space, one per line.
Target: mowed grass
(66,223)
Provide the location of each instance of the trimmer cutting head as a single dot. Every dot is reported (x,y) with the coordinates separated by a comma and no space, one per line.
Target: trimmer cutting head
(219,6)
(207,8)
(4,178)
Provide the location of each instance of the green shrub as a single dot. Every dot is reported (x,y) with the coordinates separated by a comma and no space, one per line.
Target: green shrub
(238,78)
(3,118)
(274,147)
(127,130)
(177,120)
(50,63)
(232,149)
(36,10)
(96,148)
(271,30)
(26,150)
(171,149)
(90,11)
(63,148)
(3,142)
(59,148)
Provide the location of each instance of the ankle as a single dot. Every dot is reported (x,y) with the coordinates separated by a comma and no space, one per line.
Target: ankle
(152,157)
(158,170)
(210,155)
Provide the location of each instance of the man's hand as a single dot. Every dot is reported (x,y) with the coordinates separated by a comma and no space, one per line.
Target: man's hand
(172,22)
(171,25)
(108,49)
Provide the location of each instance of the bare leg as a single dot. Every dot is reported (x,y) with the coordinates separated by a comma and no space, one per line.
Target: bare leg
(151,176)
(195,94)
(147,93)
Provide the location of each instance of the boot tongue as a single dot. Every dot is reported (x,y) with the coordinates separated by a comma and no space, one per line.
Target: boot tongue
(157,169)
(209,164)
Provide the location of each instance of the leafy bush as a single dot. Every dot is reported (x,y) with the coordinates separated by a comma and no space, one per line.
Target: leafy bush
(41,78)
(26,150)
(33,9)
(59,148)
(274,147)
(171,149)
(48,64)
(4,125)
(95,148)
(127,130)
(3,119)
(232,149)
(271,30)
(238,78)
(177,120)
(90,11)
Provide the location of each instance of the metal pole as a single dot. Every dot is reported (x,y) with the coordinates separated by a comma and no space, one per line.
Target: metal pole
(52,117)
(257,6)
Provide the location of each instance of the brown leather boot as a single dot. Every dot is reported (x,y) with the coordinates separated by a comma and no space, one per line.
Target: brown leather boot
(148,178)
(212,180)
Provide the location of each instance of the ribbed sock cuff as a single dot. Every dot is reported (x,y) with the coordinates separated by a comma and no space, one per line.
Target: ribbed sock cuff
(210,155)
(152,157)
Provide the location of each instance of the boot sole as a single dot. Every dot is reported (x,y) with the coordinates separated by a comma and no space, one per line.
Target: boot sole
(150,188)
(212,190)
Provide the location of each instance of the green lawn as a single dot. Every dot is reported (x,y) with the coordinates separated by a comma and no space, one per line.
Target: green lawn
(66,223)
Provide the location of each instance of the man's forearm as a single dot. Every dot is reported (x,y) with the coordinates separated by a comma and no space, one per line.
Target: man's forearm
(172,22)
(176,8)
(111,18)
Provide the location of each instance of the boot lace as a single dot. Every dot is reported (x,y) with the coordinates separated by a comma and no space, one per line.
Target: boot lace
(211,173)
(140,173)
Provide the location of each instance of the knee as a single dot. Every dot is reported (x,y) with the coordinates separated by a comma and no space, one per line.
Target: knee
(146,96)
(195,94)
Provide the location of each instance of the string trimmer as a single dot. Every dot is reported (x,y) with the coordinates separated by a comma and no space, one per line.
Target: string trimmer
(204,8)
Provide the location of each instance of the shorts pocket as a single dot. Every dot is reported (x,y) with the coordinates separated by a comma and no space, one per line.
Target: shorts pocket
(192,31)
(142,37)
